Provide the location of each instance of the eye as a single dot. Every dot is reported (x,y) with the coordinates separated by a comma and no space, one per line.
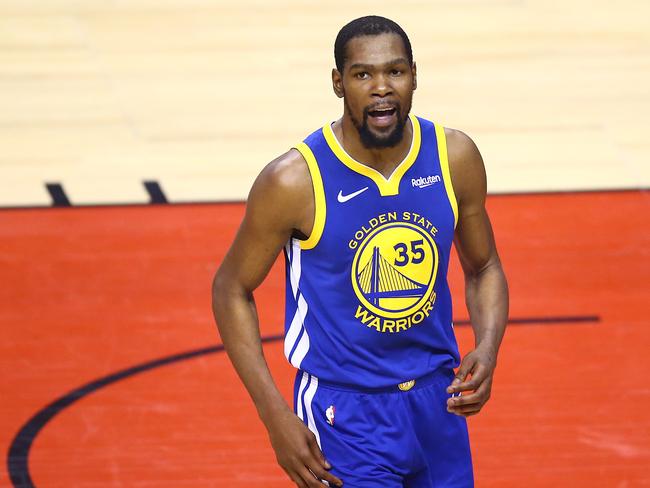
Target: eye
(396,72)
(362,75)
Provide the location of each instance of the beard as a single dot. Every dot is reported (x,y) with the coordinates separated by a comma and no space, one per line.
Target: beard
(371,140)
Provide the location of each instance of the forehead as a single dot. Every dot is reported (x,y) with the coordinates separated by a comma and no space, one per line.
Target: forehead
(377,49)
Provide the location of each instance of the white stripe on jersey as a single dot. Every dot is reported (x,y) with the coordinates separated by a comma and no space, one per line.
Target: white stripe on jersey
(295,266)
(295,327)
(298,321)
(301,350)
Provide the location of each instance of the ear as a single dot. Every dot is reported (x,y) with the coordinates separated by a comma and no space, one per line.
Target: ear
(415,75)
(337,83)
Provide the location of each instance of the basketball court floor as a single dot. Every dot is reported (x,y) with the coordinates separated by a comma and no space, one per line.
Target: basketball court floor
(113,374)
(130,133)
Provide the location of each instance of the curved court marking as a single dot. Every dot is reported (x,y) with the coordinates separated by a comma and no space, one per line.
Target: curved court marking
(18,454)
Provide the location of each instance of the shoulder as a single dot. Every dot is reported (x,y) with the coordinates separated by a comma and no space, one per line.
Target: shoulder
(285,176)
(287,171)
(282,193)
(466,166)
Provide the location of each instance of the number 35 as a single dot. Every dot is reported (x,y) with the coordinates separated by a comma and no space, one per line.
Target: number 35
(416,256)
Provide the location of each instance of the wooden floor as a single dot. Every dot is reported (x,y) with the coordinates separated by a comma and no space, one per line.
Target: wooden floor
(200,94)
(104,291)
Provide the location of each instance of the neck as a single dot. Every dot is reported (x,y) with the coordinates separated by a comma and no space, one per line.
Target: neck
(384,160)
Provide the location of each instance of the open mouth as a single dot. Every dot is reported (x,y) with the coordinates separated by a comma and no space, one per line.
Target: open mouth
(382,112)
(383,116)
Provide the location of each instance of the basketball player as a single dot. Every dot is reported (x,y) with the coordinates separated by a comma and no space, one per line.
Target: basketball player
(366,210)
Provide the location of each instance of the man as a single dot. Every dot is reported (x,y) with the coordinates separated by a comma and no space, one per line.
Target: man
(366,210)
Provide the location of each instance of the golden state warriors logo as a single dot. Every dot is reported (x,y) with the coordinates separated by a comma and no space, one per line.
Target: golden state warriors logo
(393,272)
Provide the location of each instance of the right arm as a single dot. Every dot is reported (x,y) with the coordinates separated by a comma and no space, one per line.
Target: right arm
(279,205)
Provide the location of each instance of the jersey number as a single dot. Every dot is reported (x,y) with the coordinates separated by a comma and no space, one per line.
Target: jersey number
(417,253)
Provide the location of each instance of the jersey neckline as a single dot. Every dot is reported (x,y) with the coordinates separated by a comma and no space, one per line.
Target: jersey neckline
(387,186)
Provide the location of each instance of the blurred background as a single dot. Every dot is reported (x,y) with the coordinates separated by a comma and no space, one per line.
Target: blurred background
(130,133)
(200,94)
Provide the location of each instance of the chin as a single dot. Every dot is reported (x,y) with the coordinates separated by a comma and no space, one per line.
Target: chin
(373,140)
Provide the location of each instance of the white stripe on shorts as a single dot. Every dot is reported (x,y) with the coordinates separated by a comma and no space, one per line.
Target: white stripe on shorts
(309,396)
(303,383)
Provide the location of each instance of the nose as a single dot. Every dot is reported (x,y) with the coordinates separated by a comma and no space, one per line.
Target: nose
(382,86)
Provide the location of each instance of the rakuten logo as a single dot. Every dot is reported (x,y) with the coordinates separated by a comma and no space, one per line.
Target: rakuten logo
(424,181)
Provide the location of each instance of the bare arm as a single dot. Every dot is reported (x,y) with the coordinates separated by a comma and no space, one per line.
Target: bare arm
(275,211)
(486,289)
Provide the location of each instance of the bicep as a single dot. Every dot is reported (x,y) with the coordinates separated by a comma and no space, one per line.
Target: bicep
(267,225)
(253,252)
(474,239)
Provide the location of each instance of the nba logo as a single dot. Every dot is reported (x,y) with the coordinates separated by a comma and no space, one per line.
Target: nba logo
(329,414)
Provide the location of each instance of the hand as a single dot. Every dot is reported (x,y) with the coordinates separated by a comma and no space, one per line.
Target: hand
(479,366)
(297,451)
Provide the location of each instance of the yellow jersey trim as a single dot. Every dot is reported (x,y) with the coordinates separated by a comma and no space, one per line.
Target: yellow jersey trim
(319,198)
(444,165)
(387,186)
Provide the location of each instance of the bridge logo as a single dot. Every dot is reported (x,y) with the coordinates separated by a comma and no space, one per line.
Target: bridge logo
(394,270)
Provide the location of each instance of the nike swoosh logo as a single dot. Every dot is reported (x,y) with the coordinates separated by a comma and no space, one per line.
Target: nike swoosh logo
(344,198)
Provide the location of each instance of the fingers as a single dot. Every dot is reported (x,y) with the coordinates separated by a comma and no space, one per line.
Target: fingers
(318,454)
(297,479)
(305,478)
(298,453)
(466,366)
(467,410)
(309,469)
(321,474)
(472,403)
(478,372)
(320,467)
(479,375)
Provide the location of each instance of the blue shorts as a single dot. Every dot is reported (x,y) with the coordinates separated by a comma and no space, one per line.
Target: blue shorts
(398,437)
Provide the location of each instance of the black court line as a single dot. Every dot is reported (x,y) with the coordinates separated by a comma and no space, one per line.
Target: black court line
(156,194)
(18,453)
(57,194)
(241,201)
(574,319)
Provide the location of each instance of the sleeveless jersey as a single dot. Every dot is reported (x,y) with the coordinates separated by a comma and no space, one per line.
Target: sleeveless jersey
(367,299)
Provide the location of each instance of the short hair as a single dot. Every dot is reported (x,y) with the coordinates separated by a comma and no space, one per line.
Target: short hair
(371,25)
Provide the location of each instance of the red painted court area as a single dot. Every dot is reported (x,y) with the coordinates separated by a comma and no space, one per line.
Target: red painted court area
(87,292)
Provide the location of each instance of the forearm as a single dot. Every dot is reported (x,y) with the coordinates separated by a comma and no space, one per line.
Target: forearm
(486,295)
(236,317)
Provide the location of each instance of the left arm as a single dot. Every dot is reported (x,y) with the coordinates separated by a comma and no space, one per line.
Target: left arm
(486,289)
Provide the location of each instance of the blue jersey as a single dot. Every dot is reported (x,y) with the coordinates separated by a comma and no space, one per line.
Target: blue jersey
(367,299)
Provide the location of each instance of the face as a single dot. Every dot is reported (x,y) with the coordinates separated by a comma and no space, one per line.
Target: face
(377,87)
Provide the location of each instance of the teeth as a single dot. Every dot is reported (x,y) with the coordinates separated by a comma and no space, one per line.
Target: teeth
(382,110)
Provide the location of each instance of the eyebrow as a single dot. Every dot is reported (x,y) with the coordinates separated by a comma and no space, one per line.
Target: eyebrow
(370,66)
